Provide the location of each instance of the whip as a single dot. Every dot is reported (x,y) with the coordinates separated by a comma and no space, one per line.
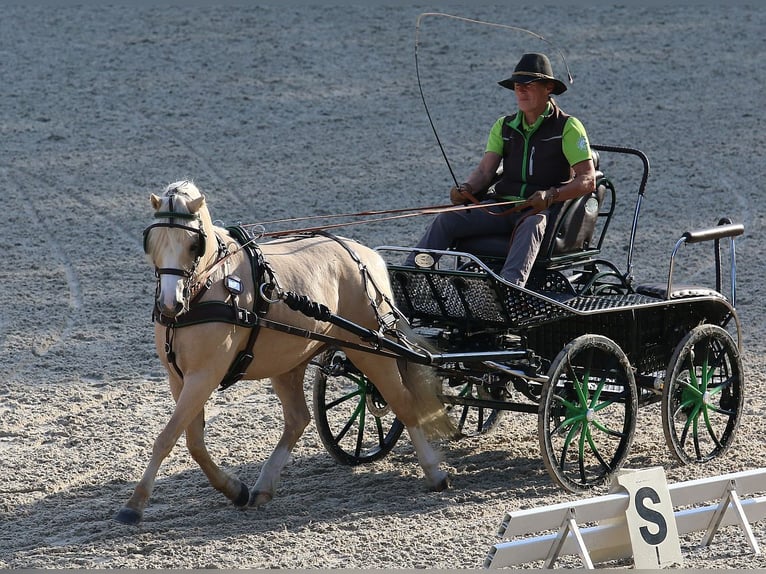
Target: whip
(472,21)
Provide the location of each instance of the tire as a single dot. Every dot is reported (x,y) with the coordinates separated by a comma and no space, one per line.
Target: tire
(587,413)
(354,422)
(703,395)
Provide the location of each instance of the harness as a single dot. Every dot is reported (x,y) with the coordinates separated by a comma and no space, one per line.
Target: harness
(220,311)
(267,292)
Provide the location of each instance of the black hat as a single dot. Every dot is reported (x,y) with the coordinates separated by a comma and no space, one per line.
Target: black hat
(532,68)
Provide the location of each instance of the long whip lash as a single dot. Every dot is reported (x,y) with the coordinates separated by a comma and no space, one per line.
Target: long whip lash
(472,21)
(408,211)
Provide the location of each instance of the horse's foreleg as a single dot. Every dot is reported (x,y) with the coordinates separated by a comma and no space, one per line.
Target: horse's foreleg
(233,488)
(289,389)
(429,460)
(189,402)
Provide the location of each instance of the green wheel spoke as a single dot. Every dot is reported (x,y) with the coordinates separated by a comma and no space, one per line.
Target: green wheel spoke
(710,429)
(570,406)
(362,411)
(581,451)
(380,432)
(570,421)
(594,449)
(350,422)
(604,429)
(343,399)
(686,405)
(577,384)
(689,386)
(696,433)
(721,411)
(597,393)
(690,424)
(568,441)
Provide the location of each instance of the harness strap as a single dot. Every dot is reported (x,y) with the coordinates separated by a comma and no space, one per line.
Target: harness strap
(367,278)
(243,359)
(211,312)
(313,335)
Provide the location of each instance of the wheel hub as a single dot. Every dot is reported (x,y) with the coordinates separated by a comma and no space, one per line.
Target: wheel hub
(377,406)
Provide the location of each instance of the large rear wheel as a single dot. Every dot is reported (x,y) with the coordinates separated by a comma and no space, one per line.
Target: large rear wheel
(703,395)
(587,413)
(354,422)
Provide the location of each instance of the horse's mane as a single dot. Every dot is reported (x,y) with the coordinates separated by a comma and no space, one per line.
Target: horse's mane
(185,186)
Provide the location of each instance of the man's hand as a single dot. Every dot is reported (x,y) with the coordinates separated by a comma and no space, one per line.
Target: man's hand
(457,194)
(542,199)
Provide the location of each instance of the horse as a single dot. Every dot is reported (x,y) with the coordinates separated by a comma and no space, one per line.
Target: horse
(202,270)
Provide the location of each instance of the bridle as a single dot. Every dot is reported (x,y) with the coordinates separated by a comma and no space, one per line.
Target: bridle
(185,218)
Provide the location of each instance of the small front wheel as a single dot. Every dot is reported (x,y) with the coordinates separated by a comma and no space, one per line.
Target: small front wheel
(703,395)
(356,425)
(587,413)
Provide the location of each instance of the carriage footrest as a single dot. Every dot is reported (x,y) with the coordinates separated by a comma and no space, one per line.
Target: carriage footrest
(660,290)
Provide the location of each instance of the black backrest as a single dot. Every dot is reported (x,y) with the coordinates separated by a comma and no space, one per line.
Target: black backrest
(572,229)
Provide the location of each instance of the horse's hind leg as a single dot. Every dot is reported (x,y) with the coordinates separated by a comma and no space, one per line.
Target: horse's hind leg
(234,489)
(415,408)
(429,460)
(289,389)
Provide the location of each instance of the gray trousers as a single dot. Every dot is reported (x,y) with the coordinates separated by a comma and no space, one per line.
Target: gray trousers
(527,230)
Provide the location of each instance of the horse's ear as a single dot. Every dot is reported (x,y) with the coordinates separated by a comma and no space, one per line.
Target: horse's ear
(195,204)
(156,201)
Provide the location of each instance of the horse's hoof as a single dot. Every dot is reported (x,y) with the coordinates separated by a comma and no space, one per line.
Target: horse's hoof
(243,499)
(442,485)
(128,516)
(259,498)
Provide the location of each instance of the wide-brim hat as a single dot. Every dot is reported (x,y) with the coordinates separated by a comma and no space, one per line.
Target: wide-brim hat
(533,68)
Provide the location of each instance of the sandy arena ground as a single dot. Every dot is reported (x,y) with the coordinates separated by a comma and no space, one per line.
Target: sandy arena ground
(298,110)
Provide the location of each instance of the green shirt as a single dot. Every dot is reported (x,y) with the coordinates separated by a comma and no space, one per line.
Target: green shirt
(574,141)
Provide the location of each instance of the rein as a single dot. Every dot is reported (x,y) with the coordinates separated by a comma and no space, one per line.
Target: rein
(432,210)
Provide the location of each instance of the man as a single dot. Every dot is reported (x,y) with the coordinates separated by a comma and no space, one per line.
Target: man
(546,161)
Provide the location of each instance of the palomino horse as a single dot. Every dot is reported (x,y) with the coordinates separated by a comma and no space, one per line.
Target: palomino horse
(202,266)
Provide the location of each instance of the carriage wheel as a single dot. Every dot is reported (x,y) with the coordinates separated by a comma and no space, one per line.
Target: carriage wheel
(355,423)
(703,395)
(587,413)
(471,420)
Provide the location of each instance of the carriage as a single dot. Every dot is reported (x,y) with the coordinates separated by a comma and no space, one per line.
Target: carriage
(444,347)
(583,346)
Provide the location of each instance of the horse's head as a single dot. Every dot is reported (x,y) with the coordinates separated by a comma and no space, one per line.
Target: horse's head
(177,243)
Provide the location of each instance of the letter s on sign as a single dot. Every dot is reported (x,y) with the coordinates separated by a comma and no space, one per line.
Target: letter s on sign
(651,516)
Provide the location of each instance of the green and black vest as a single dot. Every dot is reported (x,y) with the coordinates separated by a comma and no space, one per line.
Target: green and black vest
(534,161)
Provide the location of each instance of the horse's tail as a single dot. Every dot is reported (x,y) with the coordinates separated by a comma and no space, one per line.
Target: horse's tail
(422,382)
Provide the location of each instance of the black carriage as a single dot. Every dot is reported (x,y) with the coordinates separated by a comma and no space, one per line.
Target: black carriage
(584,345)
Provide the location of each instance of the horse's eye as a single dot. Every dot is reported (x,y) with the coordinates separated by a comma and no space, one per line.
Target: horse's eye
(195,248)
